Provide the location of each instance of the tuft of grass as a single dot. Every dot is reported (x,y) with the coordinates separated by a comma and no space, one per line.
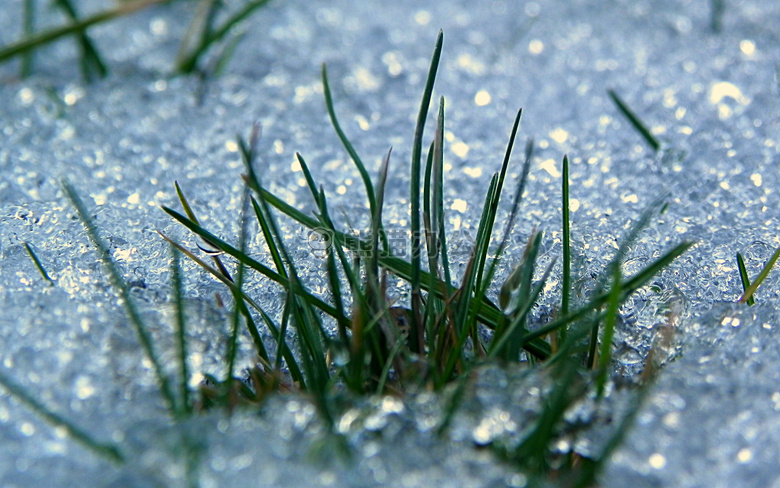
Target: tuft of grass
(640,126)
(204,36)
(750,289)
(362,339)
(447,328)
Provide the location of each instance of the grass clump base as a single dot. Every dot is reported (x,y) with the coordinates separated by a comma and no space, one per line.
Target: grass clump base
(361,341)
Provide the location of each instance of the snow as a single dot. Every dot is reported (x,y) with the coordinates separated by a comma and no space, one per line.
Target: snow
(712,97)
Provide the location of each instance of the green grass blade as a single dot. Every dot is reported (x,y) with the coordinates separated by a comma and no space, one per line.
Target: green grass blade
(438,199)
(197,30)
(628,287)
(416,333)
(91,61)
(190,62)
(533,451)
(566,243)
(280,335)
(432,196)
(427,211)
(346,143)
(717,9)
(589,472)
(208,245)
(269,239)
(104,450)
(469,281)
(489,218)
(185,407)
(640,127)
(28,29)
(605,355)
(376,227)
(488,278)
(239,307)
(743,275)
(380,388)
(124,292)
(309,178)
(38,264)
(486,224)
(503,338)
(761,277)
(31,43)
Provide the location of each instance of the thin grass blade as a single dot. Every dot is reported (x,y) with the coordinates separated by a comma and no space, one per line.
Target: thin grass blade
(121,287)
(38,264)
(605,354)
(91,61)
(416,334)
(28,29)
(180,323)
(104,450)
(640,127)
(239,307)
(346,143)
(761,277)
(34,42)
(743,275)
(190,63)
(566,243)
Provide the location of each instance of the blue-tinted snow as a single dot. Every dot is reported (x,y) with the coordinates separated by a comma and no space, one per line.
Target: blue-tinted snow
(712,97)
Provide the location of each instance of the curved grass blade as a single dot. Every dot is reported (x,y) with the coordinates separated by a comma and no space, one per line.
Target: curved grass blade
(282,350)
(416,333)
(617,260)
(124,292)
(640,127)
(346,143)
(248,261)
(104,450)
(484,282)
(197,30)
(239,307)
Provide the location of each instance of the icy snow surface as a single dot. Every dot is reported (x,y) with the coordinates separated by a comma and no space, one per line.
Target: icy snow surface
(713,416)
